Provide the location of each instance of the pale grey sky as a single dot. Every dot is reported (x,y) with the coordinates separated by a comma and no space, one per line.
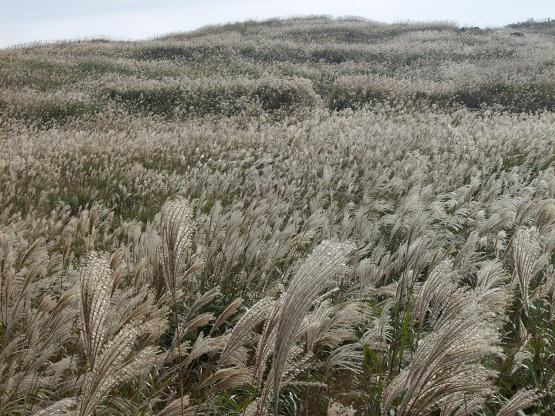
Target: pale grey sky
(23,21)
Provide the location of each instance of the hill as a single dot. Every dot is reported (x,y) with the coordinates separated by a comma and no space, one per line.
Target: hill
(307,216)
(283,65)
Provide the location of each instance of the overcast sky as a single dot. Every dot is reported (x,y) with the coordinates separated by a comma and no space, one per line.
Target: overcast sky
(23,21)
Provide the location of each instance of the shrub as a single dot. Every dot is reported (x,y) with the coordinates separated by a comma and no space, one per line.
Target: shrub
(357,91)
(34,108)
(218,96)
(518,97)
(179,51)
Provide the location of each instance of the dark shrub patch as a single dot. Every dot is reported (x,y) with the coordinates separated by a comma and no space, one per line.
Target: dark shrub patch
(217,98)
(49,112)
(530,97)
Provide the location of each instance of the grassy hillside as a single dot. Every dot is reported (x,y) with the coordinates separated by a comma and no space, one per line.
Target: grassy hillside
(310,216)
(284,66)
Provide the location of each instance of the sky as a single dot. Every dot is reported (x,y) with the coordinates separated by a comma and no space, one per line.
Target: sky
(23,21)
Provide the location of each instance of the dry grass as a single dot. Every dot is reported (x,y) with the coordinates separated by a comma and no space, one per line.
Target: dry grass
(322,217)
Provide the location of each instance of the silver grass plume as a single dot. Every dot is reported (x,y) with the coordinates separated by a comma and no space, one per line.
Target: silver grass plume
(490,275)
(203,346)
(242,329)
(489,224)
(116,365)
(176,229)
(445,363)
(227,379)
(266,342)
(95,290)
(461,404)
(314,276)
(180,407)
(378,336)
(466,257)
(435,293)
(59,408)
(491,287)
(176,408)
(348,357)
(201,301)
(297,362)
(520,401)
(230,310)
(339,409)
(254,409)
(331,325)
(526,254)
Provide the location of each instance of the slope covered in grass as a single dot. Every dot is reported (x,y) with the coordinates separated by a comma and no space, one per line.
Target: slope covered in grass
(310,216)
(284,65)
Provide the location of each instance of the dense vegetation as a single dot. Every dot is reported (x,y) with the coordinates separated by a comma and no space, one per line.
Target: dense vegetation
(301,217)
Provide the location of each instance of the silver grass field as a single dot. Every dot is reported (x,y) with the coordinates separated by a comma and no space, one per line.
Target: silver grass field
(310,216)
